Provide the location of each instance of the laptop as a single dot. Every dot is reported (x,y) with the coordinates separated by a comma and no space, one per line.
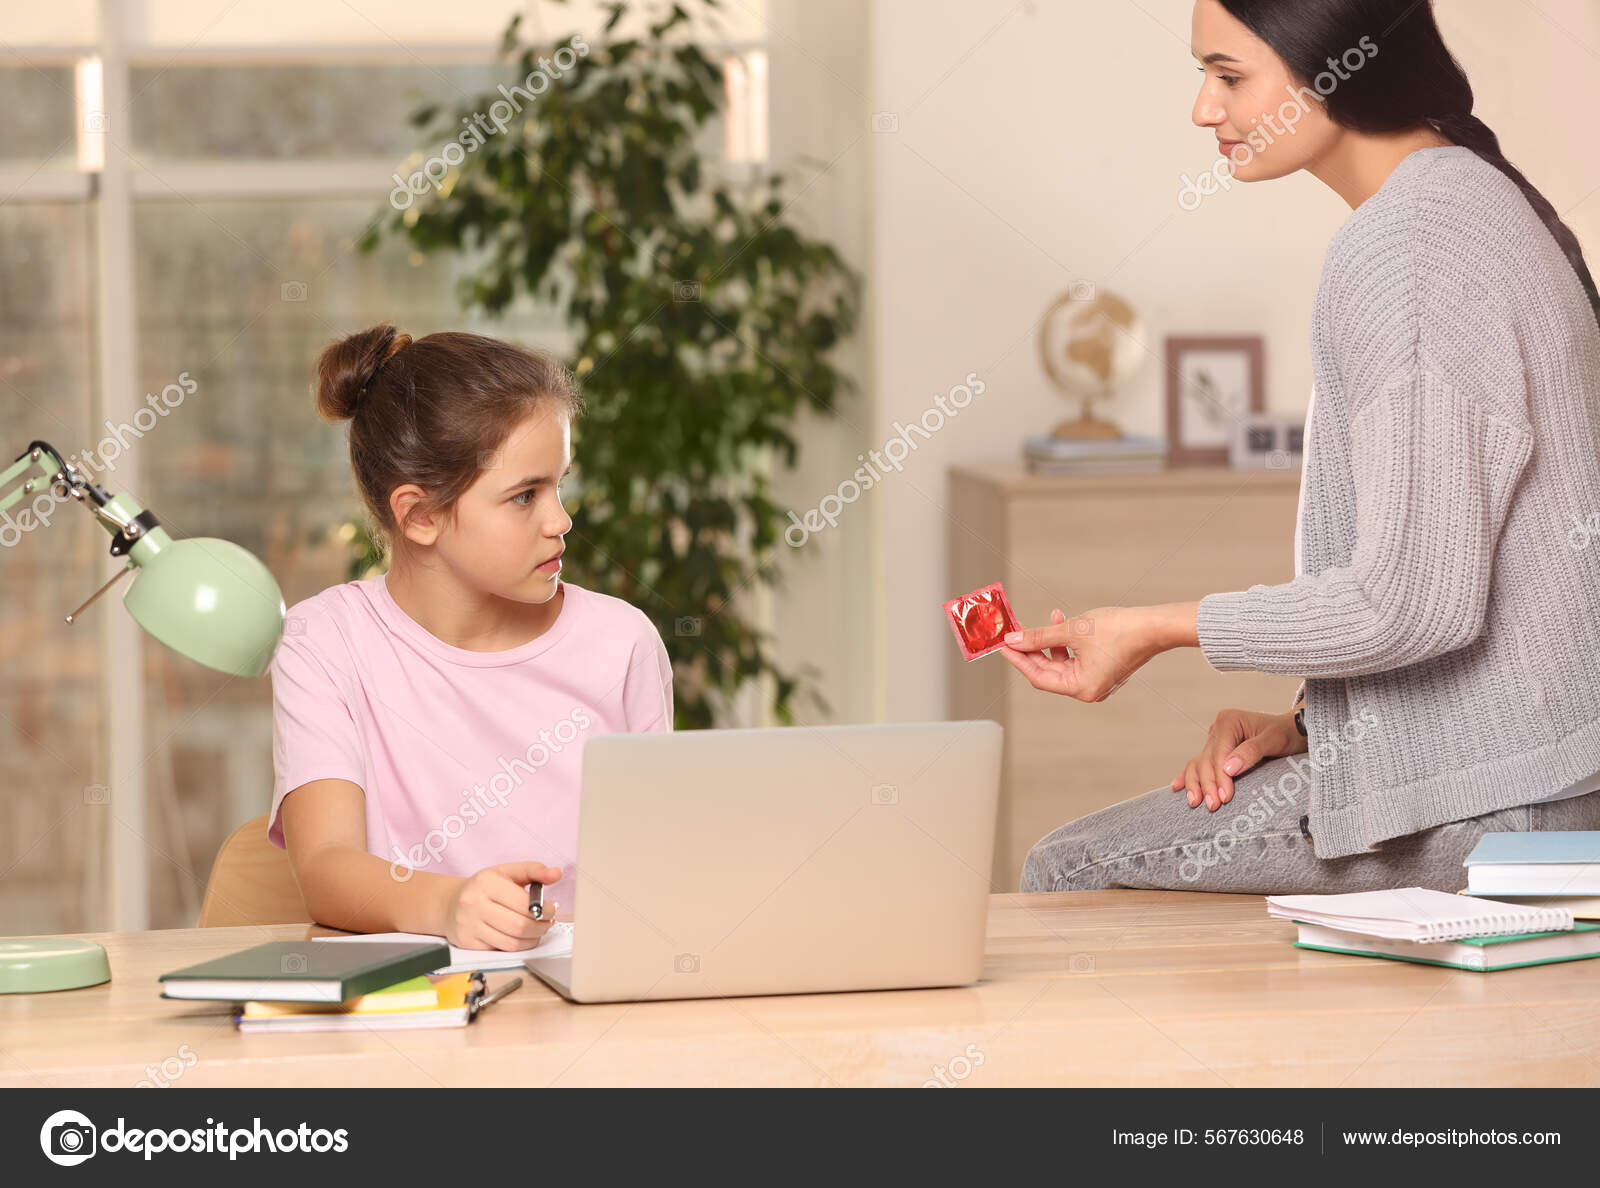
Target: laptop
(781,861)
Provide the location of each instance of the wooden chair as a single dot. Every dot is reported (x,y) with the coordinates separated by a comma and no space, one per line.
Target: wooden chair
(251,883)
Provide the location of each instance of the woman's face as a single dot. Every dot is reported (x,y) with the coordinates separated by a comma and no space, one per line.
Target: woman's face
(1268,123)
(505,536)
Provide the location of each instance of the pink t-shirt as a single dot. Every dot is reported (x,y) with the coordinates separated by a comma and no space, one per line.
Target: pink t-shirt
(467,759)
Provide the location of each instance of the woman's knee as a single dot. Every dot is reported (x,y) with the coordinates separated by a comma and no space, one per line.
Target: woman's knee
(1077,856)
(1136,842)
(1055,860)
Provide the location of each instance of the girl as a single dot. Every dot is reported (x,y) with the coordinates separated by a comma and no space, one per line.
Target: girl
(1446,623)
(429,724)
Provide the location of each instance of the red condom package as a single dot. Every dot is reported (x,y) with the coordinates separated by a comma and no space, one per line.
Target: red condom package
(981,620)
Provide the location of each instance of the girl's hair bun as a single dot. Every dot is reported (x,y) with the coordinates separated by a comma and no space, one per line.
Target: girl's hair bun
(346,369)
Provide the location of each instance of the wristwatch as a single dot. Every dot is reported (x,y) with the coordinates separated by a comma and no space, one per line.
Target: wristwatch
(1300,720)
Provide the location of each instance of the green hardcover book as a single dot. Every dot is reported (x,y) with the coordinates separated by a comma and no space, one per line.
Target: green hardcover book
(1480,954)
(304,971)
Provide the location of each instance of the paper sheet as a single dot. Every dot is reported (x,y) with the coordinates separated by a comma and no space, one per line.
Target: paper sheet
(556,943)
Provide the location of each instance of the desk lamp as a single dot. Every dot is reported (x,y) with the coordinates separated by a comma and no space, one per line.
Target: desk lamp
(206,599)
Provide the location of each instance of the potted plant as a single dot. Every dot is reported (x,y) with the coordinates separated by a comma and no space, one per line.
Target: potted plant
(702,322)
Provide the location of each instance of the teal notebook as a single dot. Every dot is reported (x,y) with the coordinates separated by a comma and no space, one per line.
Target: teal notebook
(305,971)
(1554,862)
(1481,954)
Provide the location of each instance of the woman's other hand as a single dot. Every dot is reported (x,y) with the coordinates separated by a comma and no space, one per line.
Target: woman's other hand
(1237,741)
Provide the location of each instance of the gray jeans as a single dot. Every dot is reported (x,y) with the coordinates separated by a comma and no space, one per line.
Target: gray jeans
(1259,843)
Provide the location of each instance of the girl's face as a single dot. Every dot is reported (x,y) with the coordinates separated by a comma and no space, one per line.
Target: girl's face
(1266,122)
(505,536)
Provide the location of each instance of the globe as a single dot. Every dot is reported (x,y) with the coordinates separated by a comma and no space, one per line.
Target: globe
(1090,342)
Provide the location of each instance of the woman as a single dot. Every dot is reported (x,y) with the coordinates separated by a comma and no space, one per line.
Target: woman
(1445,614)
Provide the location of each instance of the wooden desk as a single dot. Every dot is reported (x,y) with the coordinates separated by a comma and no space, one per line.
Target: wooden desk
(1081,988)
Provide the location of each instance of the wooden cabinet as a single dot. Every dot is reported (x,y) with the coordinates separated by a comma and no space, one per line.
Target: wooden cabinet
(1083,541)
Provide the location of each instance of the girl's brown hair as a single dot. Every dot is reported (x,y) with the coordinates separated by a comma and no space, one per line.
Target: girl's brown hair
(432,411)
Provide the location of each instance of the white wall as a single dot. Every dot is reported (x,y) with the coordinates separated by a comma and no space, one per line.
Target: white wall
(1044,142)
(828,613)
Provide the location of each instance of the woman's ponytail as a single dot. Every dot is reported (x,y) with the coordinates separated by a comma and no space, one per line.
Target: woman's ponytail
(1469,131)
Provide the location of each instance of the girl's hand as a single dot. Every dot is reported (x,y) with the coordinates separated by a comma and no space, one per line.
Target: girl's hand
(1091,657)
(489,910)
(1238,740)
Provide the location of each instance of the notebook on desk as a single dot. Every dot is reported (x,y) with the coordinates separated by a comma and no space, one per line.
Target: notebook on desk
(1552,862)
(447,1000)
(1436,928)
(305,971)
(1417,914)
(557,942)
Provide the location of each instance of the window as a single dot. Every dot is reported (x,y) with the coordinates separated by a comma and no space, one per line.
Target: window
(255,145)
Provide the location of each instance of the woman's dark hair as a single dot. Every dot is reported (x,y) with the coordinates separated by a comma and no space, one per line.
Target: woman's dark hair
(1412,80)
(432,411)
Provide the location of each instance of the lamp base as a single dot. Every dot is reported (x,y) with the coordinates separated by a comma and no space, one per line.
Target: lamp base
(32,965)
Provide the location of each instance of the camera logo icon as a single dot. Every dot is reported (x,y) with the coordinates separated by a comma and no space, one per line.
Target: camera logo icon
(885,794)
(688,963)
(292,291)
(293,963)
(884,122)
(67,1138)
(686,625)
(686,291)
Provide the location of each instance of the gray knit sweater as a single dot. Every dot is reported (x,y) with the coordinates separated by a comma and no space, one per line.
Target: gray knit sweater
(1448,619)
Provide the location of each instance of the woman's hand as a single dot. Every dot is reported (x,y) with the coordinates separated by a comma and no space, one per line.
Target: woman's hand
(1092,656)
(489,910)
(1237,741)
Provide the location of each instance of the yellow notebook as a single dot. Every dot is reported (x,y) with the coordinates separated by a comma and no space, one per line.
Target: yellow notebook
(438,1000)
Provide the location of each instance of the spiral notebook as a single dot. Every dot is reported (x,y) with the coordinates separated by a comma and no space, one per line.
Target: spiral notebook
(1418,914)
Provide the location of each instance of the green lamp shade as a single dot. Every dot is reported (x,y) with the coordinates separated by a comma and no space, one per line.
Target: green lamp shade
(34,964)
(207,599)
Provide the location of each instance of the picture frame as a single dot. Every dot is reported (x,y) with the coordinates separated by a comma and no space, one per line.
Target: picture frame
(1212,383)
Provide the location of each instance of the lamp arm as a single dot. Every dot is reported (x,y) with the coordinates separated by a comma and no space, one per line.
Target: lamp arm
(38,456)
(119,515)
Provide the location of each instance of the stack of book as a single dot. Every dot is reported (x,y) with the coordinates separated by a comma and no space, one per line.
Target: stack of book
(1437,928)
(313,986)
(1558,869)
(441,1000)
(1055,455)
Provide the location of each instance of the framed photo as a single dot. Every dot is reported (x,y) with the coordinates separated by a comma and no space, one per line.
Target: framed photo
(1213,383)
